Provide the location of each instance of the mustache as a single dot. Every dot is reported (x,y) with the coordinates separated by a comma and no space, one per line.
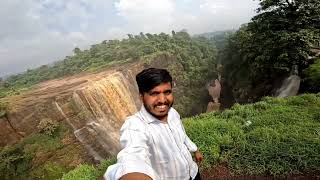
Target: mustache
(165,103)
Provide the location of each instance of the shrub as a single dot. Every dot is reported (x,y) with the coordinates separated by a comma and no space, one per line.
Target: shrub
(16,161)
(47,126)
(282,136)
(49,171)
(313,74)
(82,172)
(87,172)
(3,108)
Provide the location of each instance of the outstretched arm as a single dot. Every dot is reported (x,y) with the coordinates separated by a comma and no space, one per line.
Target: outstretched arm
(133,161)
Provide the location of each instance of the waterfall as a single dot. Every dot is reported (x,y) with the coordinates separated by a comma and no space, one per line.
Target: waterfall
(99,109)
(290,87)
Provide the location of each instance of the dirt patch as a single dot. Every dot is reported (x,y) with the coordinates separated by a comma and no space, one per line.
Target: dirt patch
(222,172)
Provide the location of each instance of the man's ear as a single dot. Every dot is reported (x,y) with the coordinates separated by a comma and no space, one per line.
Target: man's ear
(141,97)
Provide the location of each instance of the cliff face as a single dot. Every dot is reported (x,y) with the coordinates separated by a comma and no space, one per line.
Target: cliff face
(92,106)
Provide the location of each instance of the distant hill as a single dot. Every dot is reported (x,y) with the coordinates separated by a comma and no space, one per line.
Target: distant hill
(215,33)
(218,37)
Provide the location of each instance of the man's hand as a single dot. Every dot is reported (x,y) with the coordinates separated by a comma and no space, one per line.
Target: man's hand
(198,156)
(135,176)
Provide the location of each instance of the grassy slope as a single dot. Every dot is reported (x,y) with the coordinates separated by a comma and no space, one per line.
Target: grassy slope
(283,138)
(41,156)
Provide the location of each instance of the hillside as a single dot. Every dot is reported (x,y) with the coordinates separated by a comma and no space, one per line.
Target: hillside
(273,138)
(55,117)
(196,58)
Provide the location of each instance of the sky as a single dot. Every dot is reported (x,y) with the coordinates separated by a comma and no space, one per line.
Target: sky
(38,32)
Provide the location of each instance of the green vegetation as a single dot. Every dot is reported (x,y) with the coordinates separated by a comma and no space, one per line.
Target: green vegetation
(194,59)
(47,126)
(313,74)
(86,172)
(275,40)
(3,108)
(275,136)
(23,160)
(218,37)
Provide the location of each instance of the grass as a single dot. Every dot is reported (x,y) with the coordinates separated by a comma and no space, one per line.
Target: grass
(85,171)
(18,161)
(275,136)
(283,136)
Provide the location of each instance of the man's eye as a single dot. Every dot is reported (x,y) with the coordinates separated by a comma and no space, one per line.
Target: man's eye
(167,92)
(154,94)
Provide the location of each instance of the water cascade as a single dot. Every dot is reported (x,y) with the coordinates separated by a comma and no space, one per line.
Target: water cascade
(93,107)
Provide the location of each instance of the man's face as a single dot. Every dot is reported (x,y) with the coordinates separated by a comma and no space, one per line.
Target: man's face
(158,100)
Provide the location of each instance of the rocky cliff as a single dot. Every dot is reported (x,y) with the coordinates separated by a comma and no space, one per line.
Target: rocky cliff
(92,106)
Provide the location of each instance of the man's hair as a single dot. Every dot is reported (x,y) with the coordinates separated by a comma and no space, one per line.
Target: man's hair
(152,77)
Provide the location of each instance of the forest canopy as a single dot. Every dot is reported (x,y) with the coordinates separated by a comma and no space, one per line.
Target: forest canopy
(280,37)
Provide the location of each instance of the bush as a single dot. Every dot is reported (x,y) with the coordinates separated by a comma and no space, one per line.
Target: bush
(281,138)
(47,126)
(16,162)
(313,74)
(275,136)
(3,108)
(49,171)
(82,172)
(88,172)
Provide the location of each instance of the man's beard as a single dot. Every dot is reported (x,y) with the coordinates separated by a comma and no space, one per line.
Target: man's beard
(148,108)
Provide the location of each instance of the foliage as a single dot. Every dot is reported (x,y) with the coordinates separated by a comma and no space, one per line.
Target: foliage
(218,37)
(16,160)
(313,74)
(82,172)
(196,57)
(87,172)
(3,108)
(47,126)
(275,136)
(49,170)
(268,47)
(284,31)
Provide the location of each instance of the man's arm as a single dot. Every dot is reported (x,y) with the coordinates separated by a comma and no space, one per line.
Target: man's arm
(193,148)
(134,158)
(135,176)
(191,145)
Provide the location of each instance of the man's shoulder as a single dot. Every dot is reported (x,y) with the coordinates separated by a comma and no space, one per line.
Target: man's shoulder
(173,110)
(134,122)
(174,113)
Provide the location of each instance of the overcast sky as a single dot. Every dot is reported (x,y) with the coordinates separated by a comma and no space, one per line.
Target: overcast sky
(37,32)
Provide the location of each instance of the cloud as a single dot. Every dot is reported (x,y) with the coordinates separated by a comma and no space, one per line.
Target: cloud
(37,32)
(213,6)
(196,16)
(146,16)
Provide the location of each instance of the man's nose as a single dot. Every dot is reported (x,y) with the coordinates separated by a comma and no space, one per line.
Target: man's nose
(162,98)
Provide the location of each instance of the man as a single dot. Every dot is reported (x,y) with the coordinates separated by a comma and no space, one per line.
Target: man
(155,145)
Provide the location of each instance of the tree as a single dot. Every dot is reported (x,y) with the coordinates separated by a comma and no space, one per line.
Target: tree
(279,37)
(76,51)
(283,32)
